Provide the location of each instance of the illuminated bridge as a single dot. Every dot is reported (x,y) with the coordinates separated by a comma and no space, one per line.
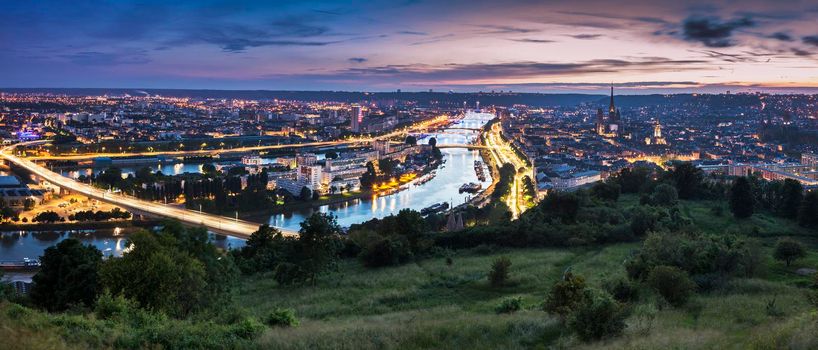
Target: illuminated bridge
(215,223)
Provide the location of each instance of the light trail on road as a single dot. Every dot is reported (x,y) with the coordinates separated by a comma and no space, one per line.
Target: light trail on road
(224,225)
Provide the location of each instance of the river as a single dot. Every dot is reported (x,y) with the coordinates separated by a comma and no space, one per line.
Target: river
(444,187)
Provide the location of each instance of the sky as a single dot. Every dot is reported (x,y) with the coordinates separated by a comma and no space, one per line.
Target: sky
(653,46)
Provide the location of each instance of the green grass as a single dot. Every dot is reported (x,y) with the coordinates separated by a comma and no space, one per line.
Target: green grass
(429,304)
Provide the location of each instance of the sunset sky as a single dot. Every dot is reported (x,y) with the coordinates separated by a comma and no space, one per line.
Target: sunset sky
(536,46)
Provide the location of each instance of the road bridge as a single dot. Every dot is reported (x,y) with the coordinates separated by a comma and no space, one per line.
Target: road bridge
(215,223)
(458,145)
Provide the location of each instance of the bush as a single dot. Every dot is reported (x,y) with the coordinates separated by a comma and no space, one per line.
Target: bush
(695,253)
(248,328)
(509,305)
(606,191)
(386,251)
(281,318)
(499,274)
(287,274)
(788,250)
(665,195)
(622,290)
(672,284)
(109,306)
(599,317)
(565,296)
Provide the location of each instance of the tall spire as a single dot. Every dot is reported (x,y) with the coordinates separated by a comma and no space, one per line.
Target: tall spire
(612,108)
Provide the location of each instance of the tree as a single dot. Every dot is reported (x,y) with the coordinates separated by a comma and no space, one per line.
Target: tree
(385,251)
(306,193)
(111,177)
(792,194)
(672,283)
(145,175)
(632,180)
(318,244)
(264,250)
(156,275)
(68,275)
(741,198)
(433,142)
(687,178)
(808,210)
(331,155)
(499,274)
(566,296)
(644,219)
(788,250)
(47,217)
(607,191)
(665,195)
(209,169)
(599,317)
(411,140)
(369,177)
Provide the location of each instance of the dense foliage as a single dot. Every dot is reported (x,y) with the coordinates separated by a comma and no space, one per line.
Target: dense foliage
(68,276)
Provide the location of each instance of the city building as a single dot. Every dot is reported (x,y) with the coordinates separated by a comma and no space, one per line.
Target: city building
(356,117)
(608,126)
(15,194)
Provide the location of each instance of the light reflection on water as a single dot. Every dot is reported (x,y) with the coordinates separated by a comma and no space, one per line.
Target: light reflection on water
(444,187)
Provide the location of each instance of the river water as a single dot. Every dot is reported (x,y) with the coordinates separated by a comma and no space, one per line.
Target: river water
(444,187)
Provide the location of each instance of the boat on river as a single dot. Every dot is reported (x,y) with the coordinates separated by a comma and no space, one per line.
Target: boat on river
(471,187)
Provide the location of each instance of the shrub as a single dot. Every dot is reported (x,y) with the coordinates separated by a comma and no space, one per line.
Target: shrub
(606,191)
(281,318)
(695,253)
(598,318)
(645,219)
(386,251)
(671,283)
(788,250)
(665,195)
(499,274)
(565,296)
(109,306)
(249,328)
(288,274)
(622,290)
(509,305)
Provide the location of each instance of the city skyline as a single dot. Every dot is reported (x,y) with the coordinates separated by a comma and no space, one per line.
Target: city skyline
(640,47)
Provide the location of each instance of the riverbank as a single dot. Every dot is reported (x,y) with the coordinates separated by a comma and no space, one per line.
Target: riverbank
(69,226)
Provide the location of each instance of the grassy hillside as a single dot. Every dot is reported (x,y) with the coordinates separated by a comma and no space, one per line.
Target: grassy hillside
(431,304)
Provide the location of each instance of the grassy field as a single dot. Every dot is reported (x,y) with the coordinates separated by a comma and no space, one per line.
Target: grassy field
(430,304)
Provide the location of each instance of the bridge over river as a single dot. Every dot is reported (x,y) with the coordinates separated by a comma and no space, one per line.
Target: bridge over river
(215,223)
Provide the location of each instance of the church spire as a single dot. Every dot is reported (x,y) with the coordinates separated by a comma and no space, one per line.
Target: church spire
(612,108)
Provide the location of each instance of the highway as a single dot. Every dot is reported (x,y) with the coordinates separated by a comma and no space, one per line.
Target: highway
(224,225)
(501,153)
